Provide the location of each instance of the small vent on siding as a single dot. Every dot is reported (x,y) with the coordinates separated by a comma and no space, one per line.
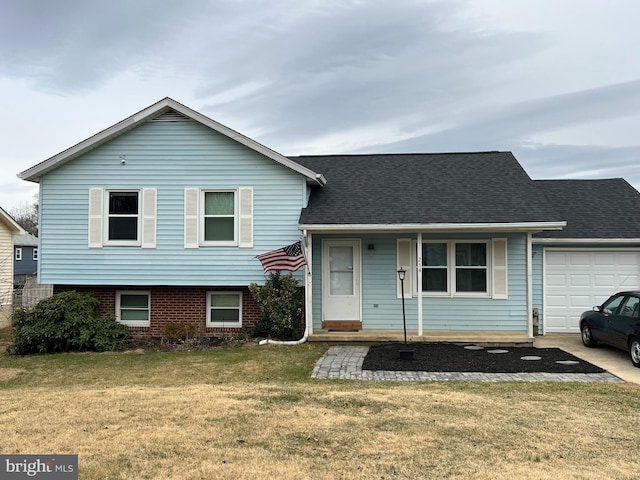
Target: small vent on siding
(171,116)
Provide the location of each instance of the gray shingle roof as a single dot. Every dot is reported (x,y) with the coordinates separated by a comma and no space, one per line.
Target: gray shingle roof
(594,208)
(25,240)
(387,189)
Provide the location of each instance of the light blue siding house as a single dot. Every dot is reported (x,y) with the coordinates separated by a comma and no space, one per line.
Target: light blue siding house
(163,214)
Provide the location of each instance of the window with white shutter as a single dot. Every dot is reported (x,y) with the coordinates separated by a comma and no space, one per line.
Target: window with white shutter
(245,217)
(464,268)
(122,217)
(218,217)
(95,217)
(149,213)
(191,200)
(499,268)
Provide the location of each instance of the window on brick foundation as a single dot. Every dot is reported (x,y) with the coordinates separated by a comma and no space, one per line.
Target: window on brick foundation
(133,308)
(224,309)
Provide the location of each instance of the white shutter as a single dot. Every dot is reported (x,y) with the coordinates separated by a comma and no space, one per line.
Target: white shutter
(149,214)
(499,268)
(404,261)
(191,201)
(245,220)
(96,197)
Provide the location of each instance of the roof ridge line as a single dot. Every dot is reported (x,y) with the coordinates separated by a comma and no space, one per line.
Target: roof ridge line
(483,152)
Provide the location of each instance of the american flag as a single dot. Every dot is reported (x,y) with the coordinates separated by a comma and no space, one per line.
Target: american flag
(289,258)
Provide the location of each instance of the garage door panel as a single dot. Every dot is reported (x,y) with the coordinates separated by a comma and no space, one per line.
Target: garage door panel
(629,282)
(579,260)
(556,261)
(557,280)
(581,302)
(556,300)
(604,260)
(628,259)
(580,280)
(577,280)
(604,280)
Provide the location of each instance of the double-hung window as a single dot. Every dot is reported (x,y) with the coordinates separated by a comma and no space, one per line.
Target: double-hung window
(133,308)
(455,266)
(471,267)
(219,217)
(224,309)
(123,217)
(18,253)
(435,267)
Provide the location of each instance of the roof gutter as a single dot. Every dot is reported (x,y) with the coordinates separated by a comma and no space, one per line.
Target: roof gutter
(590,241)
(531,227)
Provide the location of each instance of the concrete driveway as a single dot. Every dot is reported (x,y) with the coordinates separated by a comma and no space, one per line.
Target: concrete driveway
(611,359)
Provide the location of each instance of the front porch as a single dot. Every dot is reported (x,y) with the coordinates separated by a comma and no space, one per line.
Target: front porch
(488,338)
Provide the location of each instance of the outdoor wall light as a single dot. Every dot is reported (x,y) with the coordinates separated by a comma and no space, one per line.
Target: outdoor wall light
(401,274)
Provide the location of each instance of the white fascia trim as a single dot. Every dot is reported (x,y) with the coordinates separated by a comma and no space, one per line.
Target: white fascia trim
(591,241)
(437,227)
(8,220)
(33,174)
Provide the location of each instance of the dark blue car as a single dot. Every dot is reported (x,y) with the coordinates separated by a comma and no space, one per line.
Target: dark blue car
(616,323)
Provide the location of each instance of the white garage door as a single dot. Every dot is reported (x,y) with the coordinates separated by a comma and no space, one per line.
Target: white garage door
(576,280)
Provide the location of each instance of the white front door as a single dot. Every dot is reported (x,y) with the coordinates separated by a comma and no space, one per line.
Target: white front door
(341,280)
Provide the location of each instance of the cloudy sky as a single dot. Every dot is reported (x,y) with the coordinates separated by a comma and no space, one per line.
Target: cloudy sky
(557,82)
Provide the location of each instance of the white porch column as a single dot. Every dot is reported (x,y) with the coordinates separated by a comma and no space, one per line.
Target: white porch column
(529,285)
(419,270)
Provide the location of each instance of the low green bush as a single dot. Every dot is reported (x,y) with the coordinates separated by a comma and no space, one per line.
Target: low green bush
(281,301)
(67,321)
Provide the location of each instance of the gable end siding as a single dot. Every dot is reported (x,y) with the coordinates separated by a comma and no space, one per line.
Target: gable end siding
(167,157)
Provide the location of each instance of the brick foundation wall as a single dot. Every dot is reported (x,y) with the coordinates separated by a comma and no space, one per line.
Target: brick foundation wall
(186,305)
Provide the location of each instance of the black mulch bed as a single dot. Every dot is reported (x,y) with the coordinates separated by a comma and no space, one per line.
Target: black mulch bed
(449,357)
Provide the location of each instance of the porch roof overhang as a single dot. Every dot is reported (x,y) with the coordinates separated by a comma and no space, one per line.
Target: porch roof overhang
(521,227)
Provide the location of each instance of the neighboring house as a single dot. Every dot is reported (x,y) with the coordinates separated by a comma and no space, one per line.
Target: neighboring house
(8,228)
(25,257)
(162,215)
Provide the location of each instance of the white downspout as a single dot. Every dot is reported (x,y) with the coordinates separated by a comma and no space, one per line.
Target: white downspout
(308,294)
(419,283)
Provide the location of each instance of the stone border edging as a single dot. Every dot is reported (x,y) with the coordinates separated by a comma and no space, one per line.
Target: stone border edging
(342,362)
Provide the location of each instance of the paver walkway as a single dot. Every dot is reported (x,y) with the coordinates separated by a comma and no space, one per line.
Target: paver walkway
(344,362)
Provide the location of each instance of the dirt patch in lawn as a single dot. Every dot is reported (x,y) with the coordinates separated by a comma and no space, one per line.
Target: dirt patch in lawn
(9,373)
(446,357)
